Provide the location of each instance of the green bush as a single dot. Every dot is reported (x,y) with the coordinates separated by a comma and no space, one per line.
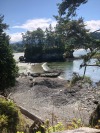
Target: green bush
(76,77)
(9,117)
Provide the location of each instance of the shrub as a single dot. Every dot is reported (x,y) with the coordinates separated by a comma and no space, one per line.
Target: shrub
(9,117)
(76,77)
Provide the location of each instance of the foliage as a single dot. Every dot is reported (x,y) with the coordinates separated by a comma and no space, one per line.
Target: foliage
(76,77)
(73,33)
(8,116)
(75,123)
(67,36)
(8,69)
(79,35)
(98,125)
(11,119)
(41,43)
(72,30)
(49,129)
(70,6)
(17,47)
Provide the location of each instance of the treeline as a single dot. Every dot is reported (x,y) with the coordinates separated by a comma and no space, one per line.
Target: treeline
(43,45)
(17,47)
(59,42)
(55,44)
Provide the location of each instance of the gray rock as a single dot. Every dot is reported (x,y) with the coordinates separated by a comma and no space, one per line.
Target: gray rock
(82,130)
(95,116)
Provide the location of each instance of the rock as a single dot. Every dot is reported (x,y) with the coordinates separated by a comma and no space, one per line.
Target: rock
(21,58)
(53,75)
(35,74)
(46,93)
(95,101)
(82,130)
(95,116)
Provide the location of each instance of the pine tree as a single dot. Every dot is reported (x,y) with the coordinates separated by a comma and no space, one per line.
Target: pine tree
(8,69)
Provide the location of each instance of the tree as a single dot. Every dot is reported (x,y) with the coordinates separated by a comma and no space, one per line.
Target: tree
(72,33)
(49,37)
(42,45)
(70,6)
(34,42)
(67,9)
(17,47)
(8,69)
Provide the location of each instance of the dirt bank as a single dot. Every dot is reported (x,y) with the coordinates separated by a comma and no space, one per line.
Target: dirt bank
(53,97)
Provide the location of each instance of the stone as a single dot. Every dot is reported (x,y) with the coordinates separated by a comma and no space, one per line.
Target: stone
(95,116)
(82,130)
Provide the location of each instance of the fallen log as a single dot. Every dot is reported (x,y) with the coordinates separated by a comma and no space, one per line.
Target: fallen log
(30,115)
(24,111)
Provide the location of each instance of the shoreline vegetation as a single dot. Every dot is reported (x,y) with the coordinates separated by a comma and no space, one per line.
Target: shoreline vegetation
(55,58)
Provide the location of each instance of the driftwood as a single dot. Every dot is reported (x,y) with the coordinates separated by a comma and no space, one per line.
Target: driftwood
(37,122)
(36,126)
(24,111)
(29,115)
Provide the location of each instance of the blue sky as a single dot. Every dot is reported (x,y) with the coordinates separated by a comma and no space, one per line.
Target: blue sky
(23,15)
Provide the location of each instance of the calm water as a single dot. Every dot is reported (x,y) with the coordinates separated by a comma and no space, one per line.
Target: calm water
(74,66)
(68,67)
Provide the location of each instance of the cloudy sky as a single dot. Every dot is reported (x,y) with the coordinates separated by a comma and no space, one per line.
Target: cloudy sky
(23,15)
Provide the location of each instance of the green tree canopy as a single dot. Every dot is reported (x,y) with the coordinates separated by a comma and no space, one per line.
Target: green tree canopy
(67,10)
(70,6)
(8,69)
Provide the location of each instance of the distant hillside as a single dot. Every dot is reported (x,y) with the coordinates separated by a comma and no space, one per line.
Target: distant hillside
(17,47)
(96,35)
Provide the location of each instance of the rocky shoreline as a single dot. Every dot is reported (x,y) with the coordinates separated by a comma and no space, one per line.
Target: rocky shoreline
(53,98)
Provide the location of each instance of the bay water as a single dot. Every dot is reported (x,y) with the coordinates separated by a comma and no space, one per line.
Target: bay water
(67,67)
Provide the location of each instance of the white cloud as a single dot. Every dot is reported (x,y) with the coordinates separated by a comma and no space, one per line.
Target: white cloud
(43,23)
(33,24)
(93,25)
(15,37)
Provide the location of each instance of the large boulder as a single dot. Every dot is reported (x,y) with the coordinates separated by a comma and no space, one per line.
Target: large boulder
(82,130)
(95,116)
(21,58)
